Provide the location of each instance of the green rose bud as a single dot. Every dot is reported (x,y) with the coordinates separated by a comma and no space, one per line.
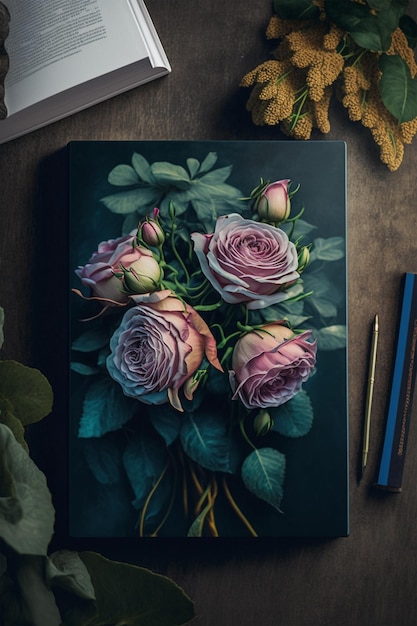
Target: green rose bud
(303,258)
(144,275)
(262,423)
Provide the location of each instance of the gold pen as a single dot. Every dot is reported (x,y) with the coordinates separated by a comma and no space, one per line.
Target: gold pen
(370,392)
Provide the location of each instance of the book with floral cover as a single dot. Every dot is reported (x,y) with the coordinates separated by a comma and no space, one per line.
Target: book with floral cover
(208,339)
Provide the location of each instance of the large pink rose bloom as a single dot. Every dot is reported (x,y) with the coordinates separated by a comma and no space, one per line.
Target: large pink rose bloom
(247,261)
(158,346)
(98,273)
(270,367)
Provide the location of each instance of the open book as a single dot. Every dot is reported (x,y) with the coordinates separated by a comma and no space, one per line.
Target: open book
(67,55)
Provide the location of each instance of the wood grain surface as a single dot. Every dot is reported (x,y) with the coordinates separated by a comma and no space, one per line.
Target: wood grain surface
(367,579)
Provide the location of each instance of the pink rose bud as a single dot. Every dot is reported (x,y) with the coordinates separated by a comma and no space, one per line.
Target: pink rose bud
(151,233)
(144,275)
(274,205)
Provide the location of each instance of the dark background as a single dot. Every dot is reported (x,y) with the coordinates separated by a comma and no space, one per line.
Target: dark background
(367,579)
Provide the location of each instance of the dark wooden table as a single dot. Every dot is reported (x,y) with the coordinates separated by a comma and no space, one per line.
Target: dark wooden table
(369,578)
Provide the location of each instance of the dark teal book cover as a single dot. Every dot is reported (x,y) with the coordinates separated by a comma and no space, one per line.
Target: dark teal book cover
(208,320)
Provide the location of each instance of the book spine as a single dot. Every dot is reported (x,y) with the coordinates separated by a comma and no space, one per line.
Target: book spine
(402,387)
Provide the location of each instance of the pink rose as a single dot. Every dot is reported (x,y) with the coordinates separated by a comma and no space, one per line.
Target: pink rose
(99,272)
(273,205)
(158,346)
(247,261)
(270,365)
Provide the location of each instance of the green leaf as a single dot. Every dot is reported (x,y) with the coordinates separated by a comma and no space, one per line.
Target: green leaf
(196,528)
(104,459)
(105,409)
(169,174)
(145,459)
(295,417)
(263,474)
(27,390)
(331,337)
(127,594)
(208,162)
(124,202)
(205,439)
(166,421)
(369,30)
(90,340)
(296,9)
(1,326)
(398,89)
(324,297)
(331,249)
(27,515)
(193,166)
(65,569)
(142,168)
(123,175)
(409,27)
(83,369)
(11,421)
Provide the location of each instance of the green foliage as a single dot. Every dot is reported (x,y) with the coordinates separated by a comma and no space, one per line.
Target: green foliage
(332,337)
(132,595)
(370,25)
(158,184)
(105,408)
(409,28)
(296,9)
(295,417)
(205,438)
(398,88)
(26,511)
(263,474)
(27,390)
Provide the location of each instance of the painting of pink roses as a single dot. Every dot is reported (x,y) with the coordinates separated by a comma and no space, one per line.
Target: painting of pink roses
(208,339)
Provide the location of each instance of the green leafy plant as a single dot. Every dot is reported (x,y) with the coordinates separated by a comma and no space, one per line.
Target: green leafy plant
(361,51)
(65,588)
(144,186)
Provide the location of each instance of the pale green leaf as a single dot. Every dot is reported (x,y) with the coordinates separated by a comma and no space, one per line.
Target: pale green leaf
(331,337)
(331,249)
(208,162)
(124,202)
(263,474)
(193,166)
(66,570)
(27,515)
(123,175)
(295,417)
(27,390)
(166,173)
(142,168)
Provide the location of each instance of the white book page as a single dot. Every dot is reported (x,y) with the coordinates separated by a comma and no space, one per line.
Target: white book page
(54,45)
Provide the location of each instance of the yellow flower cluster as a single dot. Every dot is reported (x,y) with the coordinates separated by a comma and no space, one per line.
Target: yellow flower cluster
(292,88)
(362,99)
(311,62)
